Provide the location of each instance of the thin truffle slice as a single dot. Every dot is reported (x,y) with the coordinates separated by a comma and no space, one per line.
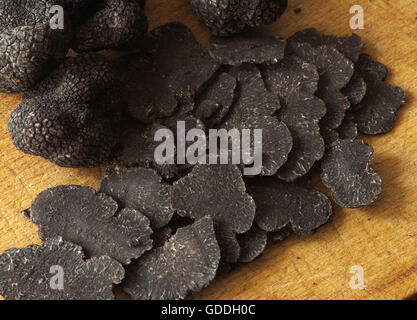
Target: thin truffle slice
(350,46)
(214,103)
(252,244)
(376,114)
(185,264)
(295,83)
(227,17)
(217,191)
(176,66)
(335,73)
(140,189)
(72,118)
(89,219)
(27,274)
(29,47)
(110,24)
(247,48)
(298,205)
(347,171)
(254,109)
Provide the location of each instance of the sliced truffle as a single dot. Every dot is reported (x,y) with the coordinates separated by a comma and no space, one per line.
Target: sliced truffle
(279,204)
(89,219)
(215,102)
(72,118)
(335,73)
(350,46)
(140,189)
(254,109)
(295,83)
(247,48)
(110,24)
(28,274)
(252,244)
(349,128)
(376,113)
(227,17)
(217,191)
(29,47)
(175,66)
(185,264)
(347,171)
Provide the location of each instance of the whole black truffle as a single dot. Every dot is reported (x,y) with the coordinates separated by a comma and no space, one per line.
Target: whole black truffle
(29,47)
(71,118)
(227,17)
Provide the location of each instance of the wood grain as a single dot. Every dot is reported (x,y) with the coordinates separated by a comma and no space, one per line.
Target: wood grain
(381,238)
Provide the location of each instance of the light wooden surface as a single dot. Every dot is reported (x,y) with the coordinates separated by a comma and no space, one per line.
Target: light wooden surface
(381,238)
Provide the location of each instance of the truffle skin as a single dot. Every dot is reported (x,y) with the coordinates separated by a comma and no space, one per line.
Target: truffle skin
(72,118)
(29,47)
(297,205)
(89,219)
(217,191)
(255,108)
(185,264)
(112,24)
(141,189)
(247,48)
(173,67)
(295,83)
(346,170)
(376,114)
(227,17)
(25,274)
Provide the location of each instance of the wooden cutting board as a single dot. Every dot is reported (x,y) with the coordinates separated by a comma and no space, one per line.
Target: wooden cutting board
(381,238)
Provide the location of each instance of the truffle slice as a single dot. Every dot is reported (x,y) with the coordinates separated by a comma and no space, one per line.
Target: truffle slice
(140,189)
(252,244)
(215,102)
(254,109)
(89,219)
(350,46)
(110,24)
(185,264)
(227,17)
(28,274)
(347,171)
(335,73)
(279,204)
(177,67)
(376,113)
(217,191)
(295,83)
(247,48)
(72,118)
(29,47)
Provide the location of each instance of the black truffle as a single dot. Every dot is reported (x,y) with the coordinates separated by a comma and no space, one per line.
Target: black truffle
(110,24)
(297,205)
(91,220)
(217,191)
(247,48)
(140,189)
(376,114)
(72,118)
(185,264)
(227,17)
(29,47)
(295,83)
(347,171)
(27,274)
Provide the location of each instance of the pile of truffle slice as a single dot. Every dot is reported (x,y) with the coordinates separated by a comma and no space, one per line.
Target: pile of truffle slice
(175,227)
